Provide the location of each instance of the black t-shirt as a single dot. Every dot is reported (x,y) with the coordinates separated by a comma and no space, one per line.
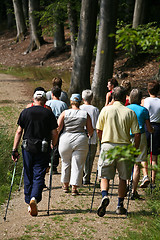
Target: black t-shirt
(37,122)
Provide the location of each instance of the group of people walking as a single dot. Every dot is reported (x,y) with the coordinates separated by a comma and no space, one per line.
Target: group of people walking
(56,128)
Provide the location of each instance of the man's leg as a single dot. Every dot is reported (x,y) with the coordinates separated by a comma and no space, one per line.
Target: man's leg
(121,194)
(105,200)
(89,163)
(154,162)
(136,177)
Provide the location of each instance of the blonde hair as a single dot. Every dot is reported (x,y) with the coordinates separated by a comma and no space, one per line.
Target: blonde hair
(127,85)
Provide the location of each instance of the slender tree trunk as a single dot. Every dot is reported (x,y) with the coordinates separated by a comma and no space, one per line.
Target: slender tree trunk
(72,17)
(59,39)
(80,78)
(20,22)
(25,8)
(105,51)
(35,31)
(140,12)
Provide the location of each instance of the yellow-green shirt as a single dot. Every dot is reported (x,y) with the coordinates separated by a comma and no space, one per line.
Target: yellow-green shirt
(116,121)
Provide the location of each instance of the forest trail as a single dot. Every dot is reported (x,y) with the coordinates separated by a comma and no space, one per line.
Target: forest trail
(69,217)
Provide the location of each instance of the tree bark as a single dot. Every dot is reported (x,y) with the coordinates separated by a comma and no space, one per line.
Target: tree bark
(140,12)
(25,8)
(59,39)
(80,78)
(36,38)
(72,17)
(20,22)
(105,51)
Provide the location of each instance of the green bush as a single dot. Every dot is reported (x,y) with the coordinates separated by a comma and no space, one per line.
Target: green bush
(143,39)
(7,166)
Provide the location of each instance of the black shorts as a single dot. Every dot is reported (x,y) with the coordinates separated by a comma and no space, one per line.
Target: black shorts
(155,139)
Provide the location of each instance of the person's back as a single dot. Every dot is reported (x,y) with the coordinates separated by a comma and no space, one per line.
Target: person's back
(116,121)
(36,122)
(153,106)
(57,106)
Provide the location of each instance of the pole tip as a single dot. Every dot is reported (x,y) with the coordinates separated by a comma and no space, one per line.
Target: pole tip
(4,218)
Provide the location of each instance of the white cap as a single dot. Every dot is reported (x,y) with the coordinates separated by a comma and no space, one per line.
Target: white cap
(39,94)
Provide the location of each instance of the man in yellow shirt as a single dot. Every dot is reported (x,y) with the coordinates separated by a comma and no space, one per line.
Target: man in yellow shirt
(113,129)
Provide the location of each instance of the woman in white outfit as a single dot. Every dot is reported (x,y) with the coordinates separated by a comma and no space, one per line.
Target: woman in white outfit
(73,144)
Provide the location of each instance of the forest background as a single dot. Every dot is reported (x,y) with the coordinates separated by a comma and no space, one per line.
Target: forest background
(84,42)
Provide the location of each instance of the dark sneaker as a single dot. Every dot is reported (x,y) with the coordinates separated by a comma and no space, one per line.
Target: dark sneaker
(135,195)
(121,210)
(145,182)
(102,207)
(54,171)
(86,182)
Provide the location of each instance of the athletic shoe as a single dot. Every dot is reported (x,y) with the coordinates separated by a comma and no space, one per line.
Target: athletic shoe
(102,207)
(135,195)
(121,210)
(86,182)
(33,206)
(145,182)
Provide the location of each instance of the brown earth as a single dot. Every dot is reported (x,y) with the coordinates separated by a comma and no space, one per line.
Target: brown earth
(69,216)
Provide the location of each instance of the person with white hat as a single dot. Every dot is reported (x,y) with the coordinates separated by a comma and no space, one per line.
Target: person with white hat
(38,126)
(73,143)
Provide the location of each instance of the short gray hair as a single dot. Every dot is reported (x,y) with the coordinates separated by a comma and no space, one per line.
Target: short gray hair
(135,96)
(87,95)
(119,93)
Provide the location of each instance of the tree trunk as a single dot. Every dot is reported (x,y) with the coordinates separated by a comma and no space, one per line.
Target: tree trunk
(35,31)
(140,12)
(105,51)
(59,39)
(80,78)
(72,17)
(25,8)
(20,22)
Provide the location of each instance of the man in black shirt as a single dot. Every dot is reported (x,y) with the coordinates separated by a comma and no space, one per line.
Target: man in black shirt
(38,126)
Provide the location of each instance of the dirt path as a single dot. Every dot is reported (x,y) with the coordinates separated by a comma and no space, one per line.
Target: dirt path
(69,216)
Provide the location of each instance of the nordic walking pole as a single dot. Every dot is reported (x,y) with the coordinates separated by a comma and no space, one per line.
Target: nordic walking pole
(14,170)
(20,183)
(50,185)
(89,152)
(130,190)
(112,188)
(94,189)
(151,162)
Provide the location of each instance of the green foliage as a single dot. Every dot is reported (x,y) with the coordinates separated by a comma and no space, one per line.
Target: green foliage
(143,39)
(7,166)
(122,153)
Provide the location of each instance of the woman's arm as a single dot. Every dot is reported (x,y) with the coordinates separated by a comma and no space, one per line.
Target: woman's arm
(89,125)
(149,127)
(108,97)
(61,121)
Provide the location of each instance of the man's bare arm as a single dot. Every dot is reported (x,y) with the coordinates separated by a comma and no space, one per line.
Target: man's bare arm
(99,133)
(137,138)
(54,137)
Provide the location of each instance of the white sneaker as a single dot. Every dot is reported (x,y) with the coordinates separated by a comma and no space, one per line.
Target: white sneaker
(145,182)
(33,207)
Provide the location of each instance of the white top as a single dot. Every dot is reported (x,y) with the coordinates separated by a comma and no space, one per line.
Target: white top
(93,113)
(153,106)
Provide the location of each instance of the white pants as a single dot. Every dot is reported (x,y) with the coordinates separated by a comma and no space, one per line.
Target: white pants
(73,149)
